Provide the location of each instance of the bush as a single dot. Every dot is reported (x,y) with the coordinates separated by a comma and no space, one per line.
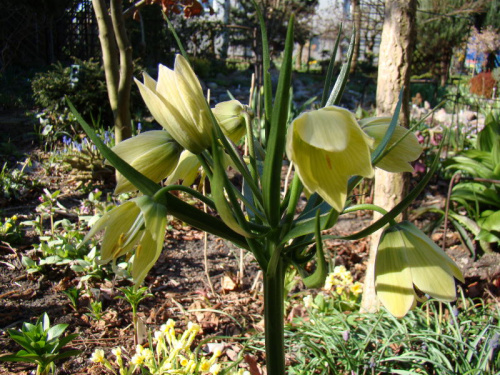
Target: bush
(87,92)
(483,84)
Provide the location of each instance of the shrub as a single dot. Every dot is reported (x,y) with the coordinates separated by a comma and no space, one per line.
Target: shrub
(483,84)
(88,93)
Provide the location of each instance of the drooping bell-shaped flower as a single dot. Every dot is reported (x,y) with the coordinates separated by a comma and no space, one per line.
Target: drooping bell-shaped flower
(229,114)
(327,146)
(407,150)
(176,101)
(139,223)
(408,259)
(154,153)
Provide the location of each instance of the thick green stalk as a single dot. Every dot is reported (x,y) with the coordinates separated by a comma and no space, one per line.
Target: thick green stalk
(274,320)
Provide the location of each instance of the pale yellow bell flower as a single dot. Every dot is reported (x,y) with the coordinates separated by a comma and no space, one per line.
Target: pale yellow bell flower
(398,159)
(176,101)
(139,223)
(154,153)
(230,115)
(408,259)
(327,146)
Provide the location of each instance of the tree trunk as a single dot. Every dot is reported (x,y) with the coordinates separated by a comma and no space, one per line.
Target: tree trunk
(356,18)
(396,48)
(117,60)
(298,62)
(225,34)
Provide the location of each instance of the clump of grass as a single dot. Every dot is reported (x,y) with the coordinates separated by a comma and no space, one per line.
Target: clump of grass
(436,338)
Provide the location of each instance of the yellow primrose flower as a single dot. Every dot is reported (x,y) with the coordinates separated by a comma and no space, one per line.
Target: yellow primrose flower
(356,288)
(229,114)
(215,369)
(137,359)
(140,221)
(117,351)
(97,356)
(327,146)
(340,289)
(154,153)
(406,151)
(205,365)
(176,101)
(408,259)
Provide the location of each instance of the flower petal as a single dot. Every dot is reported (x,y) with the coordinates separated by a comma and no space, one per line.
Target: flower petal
(151,244)
(415,234)
(154,153)
(407,150)
(119,222)
(393,277)
(310,141)
(187,169)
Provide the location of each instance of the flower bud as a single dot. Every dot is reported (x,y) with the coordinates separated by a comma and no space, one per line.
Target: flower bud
(229,114)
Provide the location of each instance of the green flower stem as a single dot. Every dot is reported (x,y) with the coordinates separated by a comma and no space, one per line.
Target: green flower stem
(295,191)
(233,153)
(204,163)
(188,190)
(274,320)
(249,205)
(372,207)
(251,146)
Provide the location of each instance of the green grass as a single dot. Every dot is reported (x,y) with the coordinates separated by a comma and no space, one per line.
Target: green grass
(432,339)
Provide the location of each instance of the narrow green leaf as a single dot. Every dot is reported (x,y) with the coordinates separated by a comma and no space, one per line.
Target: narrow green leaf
(378,153)
(219,183)
(271,180)
(266,66)
(176,37)
(329,73)
(31,358)
(338,89)
(141,182)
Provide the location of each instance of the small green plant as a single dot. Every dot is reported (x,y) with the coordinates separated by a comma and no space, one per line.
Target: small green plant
(73,295)
(48,206)
(10,231)
(95,310)
(14,183)
(42,344)
(134,296)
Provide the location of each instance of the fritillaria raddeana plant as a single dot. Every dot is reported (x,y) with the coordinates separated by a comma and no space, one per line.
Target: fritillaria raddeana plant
(330,152)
